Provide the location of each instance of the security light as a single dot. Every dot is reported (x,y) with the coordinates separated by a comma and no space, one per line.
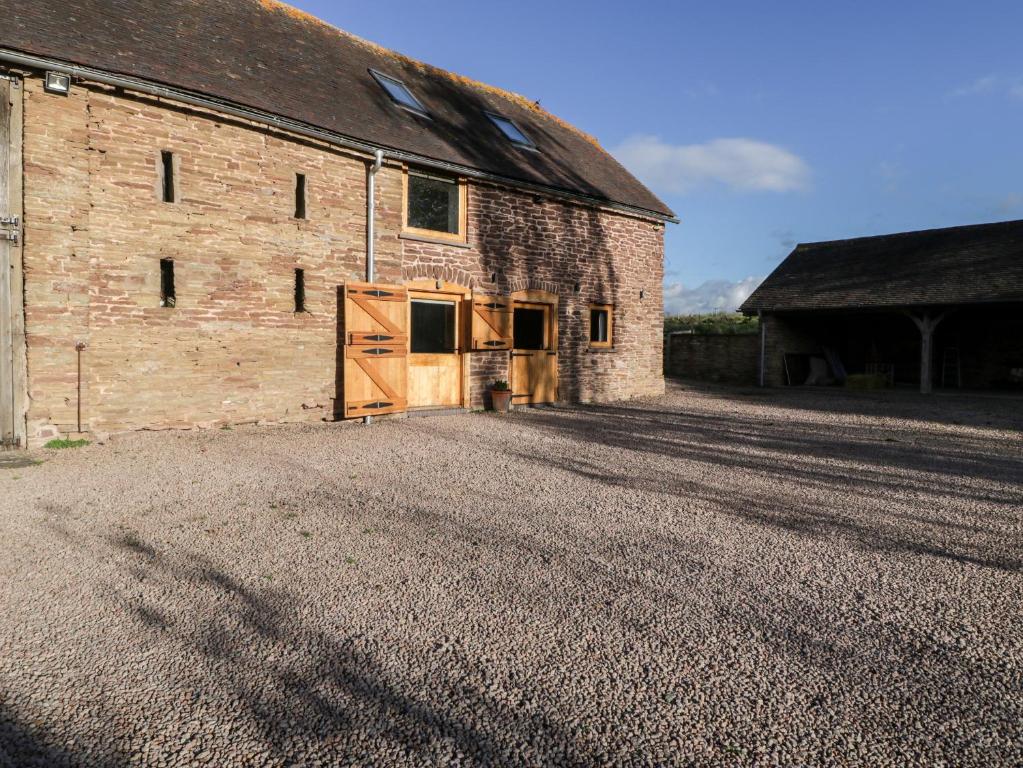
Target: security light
(57,82)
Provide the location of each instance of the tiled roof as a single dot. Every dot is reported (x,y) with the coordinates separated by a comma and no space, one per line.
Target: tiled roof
(268,56)
(958,265)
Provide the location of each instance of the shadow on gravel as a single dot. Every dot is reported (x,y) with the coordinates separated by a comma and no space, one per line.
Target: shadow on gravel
(313,693)
(859,462)
(25,746)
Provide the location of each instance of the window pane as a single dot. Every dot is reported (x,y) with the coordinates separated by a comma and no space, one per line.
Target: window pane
(433,204)
(397,91)
(598,325)
(529,328)
(433,326)
(511,130)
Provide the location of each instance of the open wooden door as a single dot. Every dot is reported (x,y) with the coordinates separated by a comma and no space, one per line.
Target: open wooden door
(491,322)
(376,349)
(13,382)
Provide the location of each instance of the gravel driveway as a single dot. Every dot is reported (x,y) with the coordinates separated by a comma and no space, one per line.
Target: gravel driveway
(716,577)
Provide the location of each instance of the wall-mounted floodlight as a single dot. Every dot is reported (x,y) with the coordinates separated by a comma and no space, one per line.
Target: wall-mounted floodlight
(57,82)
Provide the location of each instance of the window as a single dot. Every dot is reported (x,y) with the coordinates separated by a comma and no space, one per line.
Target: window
(511,131)
(300,290)
(601,320)
(167,295)
(167,182)
(299,195)
(434,206)
(433,326)
(399,93)
(529,328)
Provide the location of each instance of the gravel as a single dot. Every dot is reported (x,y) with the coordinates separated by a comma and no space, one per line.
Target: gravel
(715,577)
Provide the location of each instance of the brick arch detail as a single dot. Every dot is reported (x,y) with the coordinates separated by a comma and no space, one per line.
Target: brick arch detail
(532,284)
(446,273)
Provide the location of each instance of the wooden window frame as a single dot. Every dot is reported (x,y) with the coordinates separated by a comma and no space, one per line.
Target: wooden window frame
(610,309)
(461,237)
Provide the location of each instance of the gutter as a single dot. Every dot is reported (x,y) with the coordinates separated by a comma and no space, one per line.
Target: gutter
(303,129)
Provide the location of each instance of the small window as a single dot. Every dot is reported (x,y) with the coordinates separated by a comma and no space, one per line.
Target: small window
(433,327)
(167,164)
(167,294)
(398,92)
(511,131)
(434,205)
(299,195)
(601,319)
(300,290)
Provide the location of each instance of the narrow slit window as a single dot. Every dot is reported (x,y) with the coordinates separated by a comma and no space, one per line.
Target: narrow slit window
(601,319)
(300,290)
(167,160)
(168,298)
(511,131)
(399,92)
(299,195)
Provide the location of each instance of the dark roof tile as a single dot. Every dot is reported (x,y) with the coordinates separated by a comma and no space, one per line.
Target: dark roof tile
(266,55)
(957,265)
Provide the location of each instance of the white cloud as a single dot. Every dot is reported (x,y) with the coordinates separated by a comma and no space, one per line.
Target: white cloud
(711,296)
(1011,87)
(744,164)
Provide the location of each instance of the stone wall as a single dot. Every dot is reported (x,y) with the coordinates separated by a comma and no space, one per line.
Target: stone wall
(720,358)
(232,349)
(785,335)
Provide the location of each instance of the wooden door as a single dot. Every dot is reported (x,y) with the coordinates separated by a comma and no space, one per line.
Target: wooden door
(491,322)
(435,349)
(376,349)
(13,382)
(534,369)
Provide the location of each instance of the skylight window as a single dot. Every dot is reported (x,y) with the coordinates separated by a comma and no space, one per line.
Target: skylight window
(512,131)
(398,92)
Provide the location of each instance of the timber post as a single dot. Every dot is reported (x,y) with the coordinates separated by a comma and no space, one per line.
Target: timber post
(926,323)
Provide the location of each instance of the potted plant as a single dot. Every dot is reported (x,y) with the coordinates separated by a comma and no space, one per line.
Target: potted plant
(500,395)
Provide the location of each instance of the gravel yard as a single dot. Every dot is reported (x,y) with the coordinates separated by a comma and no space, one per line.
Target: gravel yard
(716,577)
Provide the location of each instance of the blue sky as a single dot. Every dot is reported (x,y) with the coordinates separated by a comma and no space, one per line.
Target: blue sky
(761,124)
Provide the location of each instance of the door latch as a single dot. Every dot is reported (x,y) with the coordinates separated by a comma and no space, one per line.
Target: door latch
(13,222)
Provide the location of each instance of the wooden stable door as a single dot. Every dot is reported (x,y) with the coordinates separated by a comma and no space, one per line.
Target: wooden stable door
(375,350)
(13,382)
(436,359)
(534,369)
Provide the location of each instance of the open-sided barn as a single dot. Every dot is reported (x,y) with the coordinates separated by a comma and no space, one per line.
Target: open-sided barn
(940,307)
(229,211)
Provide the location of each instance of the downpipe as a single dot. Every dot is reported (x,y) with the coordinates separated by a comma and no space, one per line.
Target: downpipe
(371,209)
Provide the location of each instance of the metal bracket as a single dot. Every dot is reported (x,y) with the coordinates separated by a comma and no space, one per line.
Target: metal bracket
(13,234)
(9,221)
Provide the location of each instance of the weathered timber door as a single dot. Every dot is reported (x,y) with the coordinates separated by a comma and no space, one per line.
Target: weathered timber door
(534,369)
(376,349)
(491,322)
(13,384)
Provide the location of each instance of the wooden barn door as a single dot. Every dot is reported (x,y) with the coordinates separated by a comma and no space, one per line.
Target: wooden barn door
(376,349)
(534,369)
(13,384)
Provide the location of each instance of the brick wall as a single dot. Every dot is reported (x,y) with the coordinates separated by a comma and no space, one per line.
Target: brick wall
(733,359)
(233,349)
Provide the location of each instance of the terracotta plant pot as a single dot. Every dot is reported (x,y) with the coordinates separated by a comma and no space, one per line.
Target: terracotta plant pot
(501,399)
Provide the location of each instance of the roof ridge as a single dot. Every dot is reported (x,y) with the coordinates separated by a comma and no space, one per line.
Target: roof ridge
(278,6)
(911,233)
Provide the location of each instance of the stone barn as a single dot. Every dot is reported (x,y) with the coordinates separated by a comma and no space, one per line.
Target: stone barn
(233,212)
(937,308)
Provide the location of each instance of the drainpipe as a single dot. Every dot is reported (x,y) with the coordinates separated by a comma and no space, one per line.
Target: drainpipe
(371,210)
(371,206)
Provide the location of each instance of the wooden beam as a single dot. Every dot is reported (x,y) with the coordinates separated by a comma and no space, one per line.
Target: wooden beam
(926,323)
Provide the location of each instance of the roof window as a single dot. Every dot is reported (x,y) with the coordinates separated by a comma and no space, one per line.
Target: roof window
(512,131)
(398,92)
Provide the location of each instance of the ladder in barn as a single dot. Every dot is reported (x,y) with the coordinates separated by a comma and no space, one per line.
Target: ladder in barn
(951,371)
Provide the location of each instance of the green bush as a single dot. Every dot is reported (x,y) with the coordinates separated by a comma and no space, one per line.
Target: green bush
(717,323)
